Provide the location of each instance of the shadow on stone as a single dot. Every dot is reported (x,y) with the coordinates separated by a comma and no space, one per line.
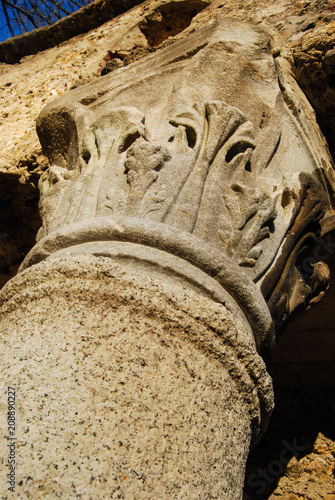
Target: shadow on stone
(19,221)
(299,416)
(169,20)
(304,415)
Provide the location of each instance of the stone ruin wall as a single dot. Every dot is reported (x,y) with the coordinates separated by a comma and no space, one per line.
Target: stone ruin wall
(302,34)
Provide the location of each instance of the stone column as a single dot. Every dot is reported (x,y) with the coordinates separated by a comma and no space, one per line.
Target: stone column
(181,195)
(130,382)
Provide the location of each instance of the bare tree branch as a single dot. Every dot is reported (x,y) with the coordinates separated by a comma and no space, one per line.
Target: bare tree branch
(28,14)
(22,11)
(4,7)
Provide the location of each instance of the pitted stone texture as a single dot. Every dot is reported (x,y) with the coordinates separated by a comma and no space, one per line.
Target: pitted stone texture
(128,387)
(146,238)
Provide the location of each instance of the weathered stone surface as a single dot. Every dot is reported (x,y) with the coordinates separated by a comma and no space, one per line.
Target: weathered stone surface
(130,383)
(222,159)
(98,12)
(314,69)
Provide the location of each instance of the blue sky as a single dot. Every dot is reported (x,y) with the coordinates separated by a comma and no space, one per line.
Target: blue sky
(4,31)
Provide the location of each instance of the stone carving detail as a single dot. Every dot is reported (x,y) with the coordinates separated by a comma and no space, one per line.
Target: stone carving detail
(199,181)
(199,138)
(285,286)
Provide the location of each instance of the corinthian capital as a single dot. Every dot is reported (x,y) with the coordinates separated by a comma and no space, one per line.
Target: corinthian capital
(199,152)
